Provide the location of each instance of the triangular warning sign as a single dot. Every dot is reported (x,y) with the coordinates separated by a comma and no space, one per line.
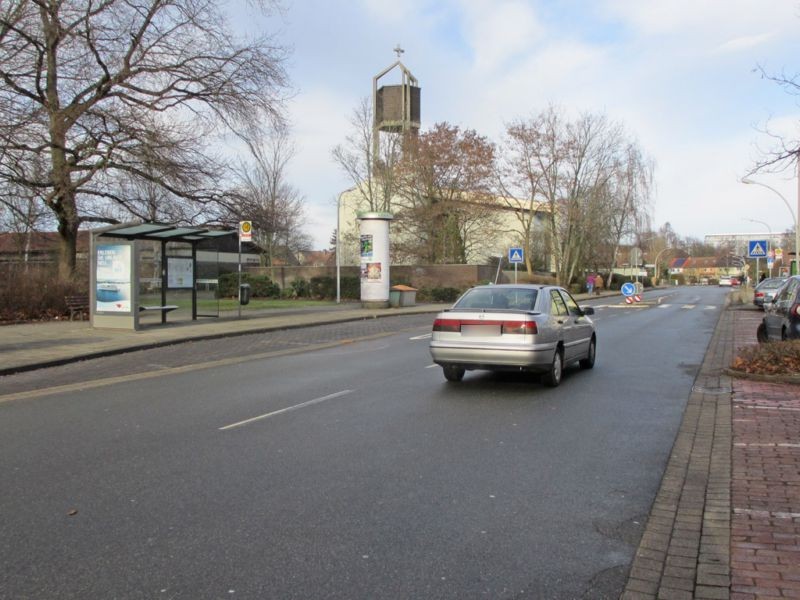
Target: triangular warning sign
(515,255)
(757,250)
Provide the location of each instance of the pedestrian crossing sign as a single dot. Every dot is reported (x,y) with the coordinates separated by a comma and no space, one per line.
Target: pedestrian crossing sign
(757,248)
(516,255)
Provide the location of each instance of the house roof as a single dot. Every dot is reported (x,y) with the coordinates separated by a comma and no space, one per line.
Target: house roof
(40,242)
(700,262)
(678,262)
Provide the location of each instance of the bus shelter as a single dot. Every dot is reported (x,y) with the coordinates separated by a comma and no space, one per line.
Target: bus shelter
(136,267)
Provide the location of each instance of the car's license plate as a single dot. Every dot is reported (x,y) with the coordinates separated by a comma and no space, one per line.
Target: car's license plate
(480,330)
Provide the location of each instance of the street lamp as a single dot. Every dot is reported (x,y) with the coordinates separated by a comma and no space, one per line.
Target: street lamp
(794,215)
(655,269)
(338,239)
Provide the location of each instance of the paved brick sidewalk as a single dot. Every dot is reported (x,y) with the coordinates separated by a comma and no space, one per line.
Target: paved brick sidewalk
(765,540)
(726,521)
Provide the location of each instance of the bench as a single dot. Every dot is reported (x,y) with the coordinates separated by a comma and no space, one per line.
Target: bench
(77,303)
(164,309)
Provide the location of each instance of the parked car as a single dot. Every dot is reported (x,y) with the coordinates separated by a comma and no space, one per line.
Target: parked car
(536,328)
(766,289)
(782,316)
(725,280)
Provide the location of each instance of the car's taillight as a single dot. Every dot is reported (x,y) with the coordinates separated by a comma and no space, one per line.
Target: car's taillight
(520,327)
(449,325)
(759,294)
(795,310)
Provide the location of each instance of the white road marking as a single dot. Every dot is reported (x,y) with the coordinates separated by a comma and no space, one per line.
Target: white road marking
(688,306)
(766,514)
(664,305)
(766,445)
(709,307)
(433,366)
(421,337)
(287,409)
(762,407)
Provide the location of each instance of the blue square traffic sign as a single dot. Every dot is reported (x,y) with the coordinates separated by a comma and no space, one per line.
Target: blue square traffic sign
(516,255)
(757,248)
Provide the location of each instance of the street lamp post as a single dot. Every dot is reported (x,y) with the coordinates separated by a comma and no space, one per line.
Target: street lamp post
(338,246)
(792,212)
(655,269)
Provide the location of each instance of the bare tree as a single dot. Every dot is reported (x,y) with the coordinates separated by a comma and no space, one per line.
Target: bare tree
(586,173)
(446,212)
(519,184)
(22,214)
(624,206)
(274,206)
(95,89)
(373,177)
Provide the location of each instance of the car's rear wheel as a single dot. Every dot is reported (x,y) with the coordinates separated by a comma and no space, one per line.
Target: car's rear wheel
(588,362)
(553,377)
(453,372)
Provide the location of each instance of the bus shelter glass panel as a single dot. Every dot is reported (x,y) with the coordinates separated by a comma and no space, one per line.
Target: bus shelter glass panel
(149,273)
(207,282)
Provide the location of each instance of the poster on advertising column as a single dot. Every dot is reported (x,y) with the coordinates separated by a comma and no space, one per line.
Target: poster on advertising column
(113,278)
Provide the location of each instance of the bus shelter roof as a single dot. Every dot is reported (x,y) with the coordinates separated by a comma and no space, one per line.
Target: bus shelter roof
(164,232)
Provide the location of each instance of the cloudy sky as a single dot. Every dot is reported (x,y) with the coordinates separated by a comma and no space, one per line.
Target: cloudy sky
(680,75)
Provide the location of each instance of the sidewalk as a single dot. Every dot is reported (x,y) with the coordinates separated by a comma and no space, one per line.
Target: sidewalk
(35,345)
(725,523)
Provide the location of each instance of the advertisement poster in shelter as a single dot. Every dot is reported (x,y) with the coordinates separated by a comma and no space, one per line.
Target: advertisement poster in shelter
(113,278)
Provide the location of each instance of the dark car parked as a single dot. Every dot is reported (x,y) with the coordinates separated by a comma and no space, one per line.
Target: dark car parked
(782,315)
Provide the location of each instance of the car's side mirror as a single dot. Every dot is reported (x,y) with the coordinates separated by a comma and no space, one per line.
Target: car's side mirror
(587,310)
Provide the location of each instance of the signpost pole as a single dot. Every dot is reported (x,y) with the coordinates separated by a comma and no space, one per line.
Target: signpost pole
(239,288)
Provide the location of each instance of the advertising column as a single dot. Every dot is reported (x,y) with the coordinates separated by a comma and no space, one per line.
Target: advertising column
(374,237)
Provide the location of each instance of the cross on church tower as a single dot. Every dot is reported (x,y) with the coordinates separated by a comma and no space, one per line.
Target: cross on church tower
(398,50)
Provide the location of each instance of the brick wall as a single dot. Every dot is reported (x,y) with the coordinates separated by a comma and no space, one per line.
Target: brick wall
(428,276)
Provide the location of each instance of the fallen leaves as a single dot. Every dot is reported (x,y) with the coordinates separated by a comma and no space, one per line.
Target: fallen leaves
(771,358)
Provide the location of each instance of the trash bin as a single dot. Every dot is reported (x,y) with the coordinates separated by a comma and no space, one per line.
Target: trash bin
(402,295)
(244,293)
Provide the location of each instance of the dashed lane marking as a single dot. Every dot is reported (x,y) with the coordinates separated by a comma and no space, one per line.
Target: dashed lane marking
(286,410)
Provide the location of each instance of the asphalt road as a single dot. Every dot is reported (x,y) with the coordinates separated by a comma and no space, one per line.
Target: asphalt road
(339,467)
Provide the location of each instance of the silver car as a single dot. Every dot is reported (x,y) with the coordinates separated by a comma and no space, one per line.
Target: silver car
(538,328)
(765,291)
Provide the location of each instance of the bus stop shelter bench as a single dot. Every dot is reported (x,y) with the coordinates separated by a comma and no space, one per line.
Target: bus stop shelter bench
(77,304)
(164,309)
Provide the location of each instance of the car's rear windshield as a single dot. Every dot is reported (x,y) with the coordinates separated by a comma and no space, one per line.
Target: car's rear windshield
(497,299)
(771,283)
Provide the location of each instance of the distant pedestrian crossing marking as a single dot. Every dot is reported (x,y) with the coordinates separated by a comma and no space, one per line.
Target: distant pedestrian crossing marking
(645,305)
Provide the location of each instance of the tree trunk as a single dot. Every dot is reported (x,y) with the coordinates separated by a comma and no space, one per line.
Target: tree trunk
(67,250)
